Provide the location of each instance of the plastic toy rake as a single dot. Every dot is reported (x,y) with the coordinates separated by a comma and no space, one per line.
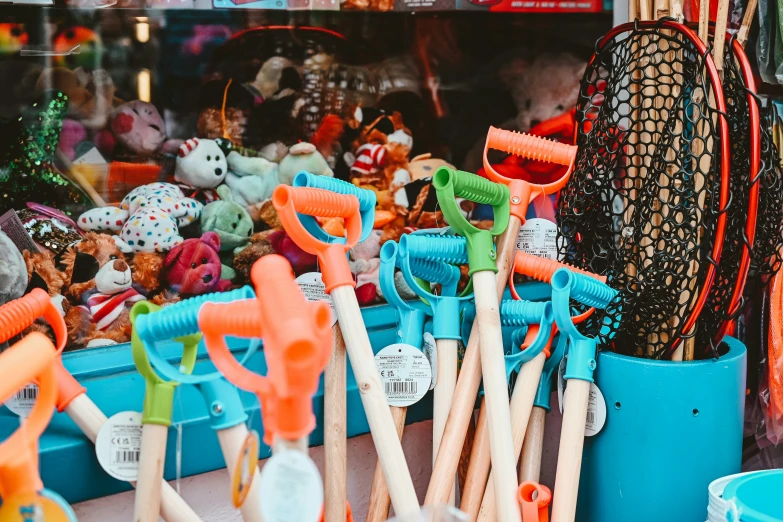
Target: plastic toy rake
(335,378)
(24,497)
(72,398)
(290,202)
(151,326)
(580,354)
(297,346)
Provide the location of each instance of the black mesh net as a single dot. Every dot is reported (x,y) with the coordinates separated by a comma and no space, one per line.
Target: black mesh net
(643,205)
(766,256)
(735,242)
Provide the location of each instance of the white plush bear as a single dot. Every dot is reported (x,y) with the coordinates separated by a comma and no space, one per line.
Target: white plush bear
(201,163)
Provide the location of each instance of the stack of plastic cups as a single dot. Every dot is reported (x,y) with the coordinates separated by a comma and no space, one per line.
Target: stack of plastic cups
(716,509)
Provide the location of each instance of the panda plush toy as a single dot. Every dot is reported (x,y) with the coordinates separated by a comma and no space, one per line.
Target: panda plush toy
(201,167)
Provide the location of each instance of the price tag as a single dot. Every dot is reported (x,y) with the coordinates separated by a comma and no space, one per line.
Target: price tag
(23,401)
(244,469)
(35,507)
(430,349)
(405,373)
(291,488)
(538,236)
(314,289)
(118,446)
(596,411)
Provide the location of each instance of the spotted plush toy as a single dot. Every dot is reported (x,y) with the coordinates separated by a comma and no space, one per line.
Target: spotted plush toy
(147,220)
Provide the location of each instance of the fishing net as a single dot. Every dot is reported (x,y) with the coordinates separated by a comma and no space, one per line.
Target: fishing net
(645,204)
(725,297)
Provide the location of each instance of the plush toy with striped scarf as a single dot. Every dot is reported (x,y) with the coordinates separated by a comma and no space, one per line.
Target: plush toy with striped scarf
(201,167)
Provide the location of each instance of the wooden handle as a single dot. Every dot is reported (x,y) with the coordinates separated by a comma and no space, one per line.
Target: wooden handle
(153,458)
(335,432)
(721,20)
(747,22)
(448,358)
(468,383)
(478,468)
(89,418)
(231,441)
(704,21)
(376,407)
(521,407)
(569,458)
(378,508)
(533,447)
(496,398)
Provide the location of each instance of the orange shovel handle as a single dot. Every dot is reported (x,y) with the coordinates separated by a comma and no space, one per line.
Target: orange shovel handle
(20,313)
(534,510)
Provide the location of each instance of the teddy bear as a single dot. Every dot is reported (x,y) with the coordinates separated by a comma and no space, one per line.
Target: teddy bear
(272,242)
(193,267)
(233,225)
(365,264)
(418,197)
(139,128)
(13,273)
(251,179)
(303,156)
(91,94)
(100,292)
(148,218)
(201,167)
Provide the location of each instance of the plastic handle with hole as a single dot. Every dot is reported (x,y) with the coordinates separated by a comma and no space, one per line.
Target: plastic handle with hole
(530,147)
(20,313)
(542,268)
(290,202)
(534,500)
(411,314)
(450,184)
(544,392)
(446,249)
(297,345)
(583,288)
(522,313)
(541,332)
(367,201)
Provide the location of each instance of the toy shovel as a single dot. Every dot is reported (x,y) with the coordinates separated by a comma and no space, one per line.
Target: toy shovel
(580,354)
(151,325)
(72,398)
(335,381)
(24,497)
(296,337)
(519,195)
(289,202)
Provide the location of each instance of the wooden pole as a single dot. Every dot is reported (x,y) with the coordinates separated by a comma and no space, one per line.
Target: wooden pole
(378,507)
(533,447)
(153,458)
(444,392)
(335,432)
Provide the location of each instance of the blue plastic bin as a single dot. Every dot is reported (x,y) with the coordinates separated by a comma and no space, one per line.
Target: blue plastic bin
(755,498)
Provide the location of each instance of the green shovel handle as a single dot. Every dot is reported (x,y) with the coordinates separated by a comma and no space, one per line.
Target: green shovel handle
(450,184)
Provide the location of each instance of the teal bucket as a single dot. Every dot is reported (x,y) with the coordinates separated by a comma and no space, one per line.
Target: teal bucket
(755,498)
(671,429)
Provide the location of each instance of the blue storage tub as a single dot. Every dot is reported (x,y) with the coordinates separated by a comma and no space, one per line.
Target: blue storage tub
(671,429)
(755,497)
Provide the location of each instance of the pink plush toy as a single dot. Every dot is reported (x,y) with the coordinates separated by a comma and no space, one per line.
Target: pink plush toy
(193,267)
(72,134)
(139,127)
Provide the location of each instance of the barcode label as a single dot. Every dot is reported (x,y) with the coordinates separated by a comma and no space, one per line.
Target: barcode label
(125,457)
(27,394)
(590,417)
(400,387)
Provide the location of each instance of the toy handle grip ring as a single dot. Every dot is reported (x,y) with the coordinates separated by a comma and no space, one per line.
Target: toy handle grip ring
(534,499)
(367,201)
(530,147)
(20,313)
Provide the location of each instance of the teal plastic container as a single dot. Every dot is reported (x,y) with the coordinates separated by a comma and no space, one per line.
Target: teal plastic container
(671,429)
(755,498)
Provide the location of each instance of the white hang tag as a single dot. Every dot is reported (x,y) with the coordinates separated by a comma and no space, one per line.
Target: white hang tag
(596,411)
(291,488)
(314,289)
(561,383)
(118,446)
(405,373)
(430,349)
(23,401)
(538,237)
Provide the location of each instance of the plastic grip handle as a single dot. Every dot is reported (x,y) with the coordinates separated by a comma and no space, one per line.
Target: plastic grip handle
(521,313)
(530,147)
(316,202)
(583,288)
(542,269)
(447,249)
(181,319)
(471,187)
(366,198)
(236,319)
(20,313)
(434,272)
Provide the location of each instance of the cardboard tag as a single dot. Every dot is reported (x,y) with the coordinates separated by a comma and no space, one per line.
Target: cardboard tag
(405,373)
(291,488)
(118,446)
(23,401)
(244,469)
(314,289)
(538,237)
(430,349)
(596,411)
